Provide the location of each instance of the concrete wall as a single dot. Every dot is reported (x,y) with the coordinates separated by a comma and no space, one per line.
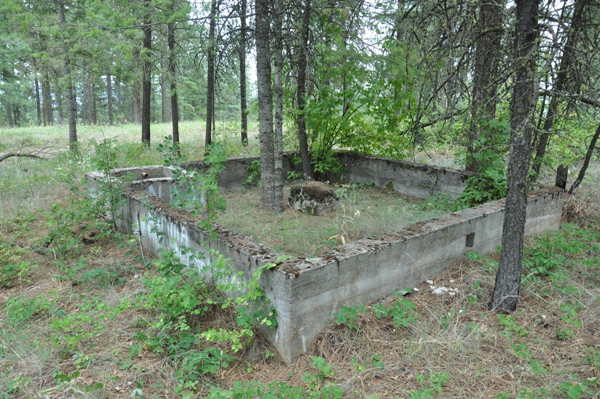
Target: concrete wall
(408,178)
(308,292)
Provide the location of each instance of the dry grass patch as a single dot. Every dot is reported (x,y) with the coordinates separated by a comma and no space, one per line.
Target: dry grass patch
(365,210)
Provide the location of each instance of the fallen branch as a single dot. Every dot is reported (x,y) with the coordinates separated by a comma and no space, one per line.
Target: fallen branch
(20,155)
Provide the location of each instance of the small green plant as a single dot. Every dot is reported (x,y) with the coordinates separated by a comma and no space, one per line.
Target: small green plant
(324,371)
(293,175)
(592,358)
(579,388)
(481,189)
(21,309)
(403,312)
(433,385)
(348,315)
(510,327)
(254,176)
(522,351)
(197,190)
(437,202)
(570,318)
(13,273)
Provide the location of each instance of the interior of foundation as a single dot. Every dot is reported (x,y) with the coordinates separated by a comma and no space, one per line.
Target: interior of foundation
(364,211)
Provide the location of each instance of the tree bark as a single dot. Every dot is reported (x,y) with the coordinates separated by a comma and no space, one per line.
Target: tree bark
(173,79)
(36,83)
(265,102)
(508,277)
(93,109)
(301,93)
(562,77)
(135,102)
(85,100)
(243,100)
(9,115)
(109,96)
(59,102)
(278,144)
(48,110)
(210,83)
(487,55)
(586,161)
(71,101)
(147,73)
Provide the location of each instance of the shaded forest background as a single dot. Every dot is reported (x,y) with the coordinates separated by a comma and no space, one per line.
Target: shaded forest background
(383,77)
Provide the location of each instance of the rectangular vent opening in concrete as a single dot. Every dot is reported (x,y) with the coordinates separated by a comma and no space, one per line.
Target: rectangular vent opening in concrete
(470,240)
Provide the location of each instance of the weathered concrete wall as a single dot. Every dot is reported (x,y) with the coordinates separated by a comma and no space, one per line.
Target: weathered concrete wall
(408,178)
(308,292)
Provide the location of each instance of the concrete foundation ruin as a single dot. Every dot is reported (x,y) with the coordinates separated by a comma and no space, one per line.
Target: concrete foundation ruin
(306,293)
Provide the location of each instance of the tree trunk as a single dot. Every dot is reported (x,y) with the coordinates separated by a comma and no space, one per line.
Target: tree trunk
(147,73)
(301,92)
(278,145)
(173,79)
(93,103)
(265,102)
(562,77)
(71,102)
(135,102)
(562,174)
(243,100)
(119,99)
(109,97)
(210,76)
(586,162)
(59,102)
(164,103)
(9,116)
(47,100)
(508,277)
(487,54)
(38,107)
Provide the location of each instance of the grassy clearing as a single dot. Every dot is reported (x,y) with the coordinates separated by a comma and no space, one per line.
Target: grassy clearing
(80,318)
(364,211)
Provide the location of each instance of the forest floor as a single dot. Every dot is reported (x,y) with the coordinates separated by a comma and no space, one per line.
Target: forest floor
(75,313)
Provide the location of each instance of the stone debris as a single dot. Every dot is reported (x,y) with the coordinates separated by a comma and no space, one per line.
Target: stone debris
(441,290)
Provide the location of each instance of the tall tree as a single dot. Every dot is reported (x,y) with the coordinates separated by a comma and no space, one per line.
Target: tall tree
(265,102)
(242,57)
(71,101)
(109,98)
(567,62)
(487,56)
(147,72)
(508,277)
(47,99)
(36,82)
(210,76)
(278,144)
(301,92)
(172,74)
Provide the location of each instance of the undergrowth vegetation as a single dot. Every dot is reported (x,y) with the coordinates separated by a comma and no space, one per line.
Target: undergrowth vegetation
(85,313)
